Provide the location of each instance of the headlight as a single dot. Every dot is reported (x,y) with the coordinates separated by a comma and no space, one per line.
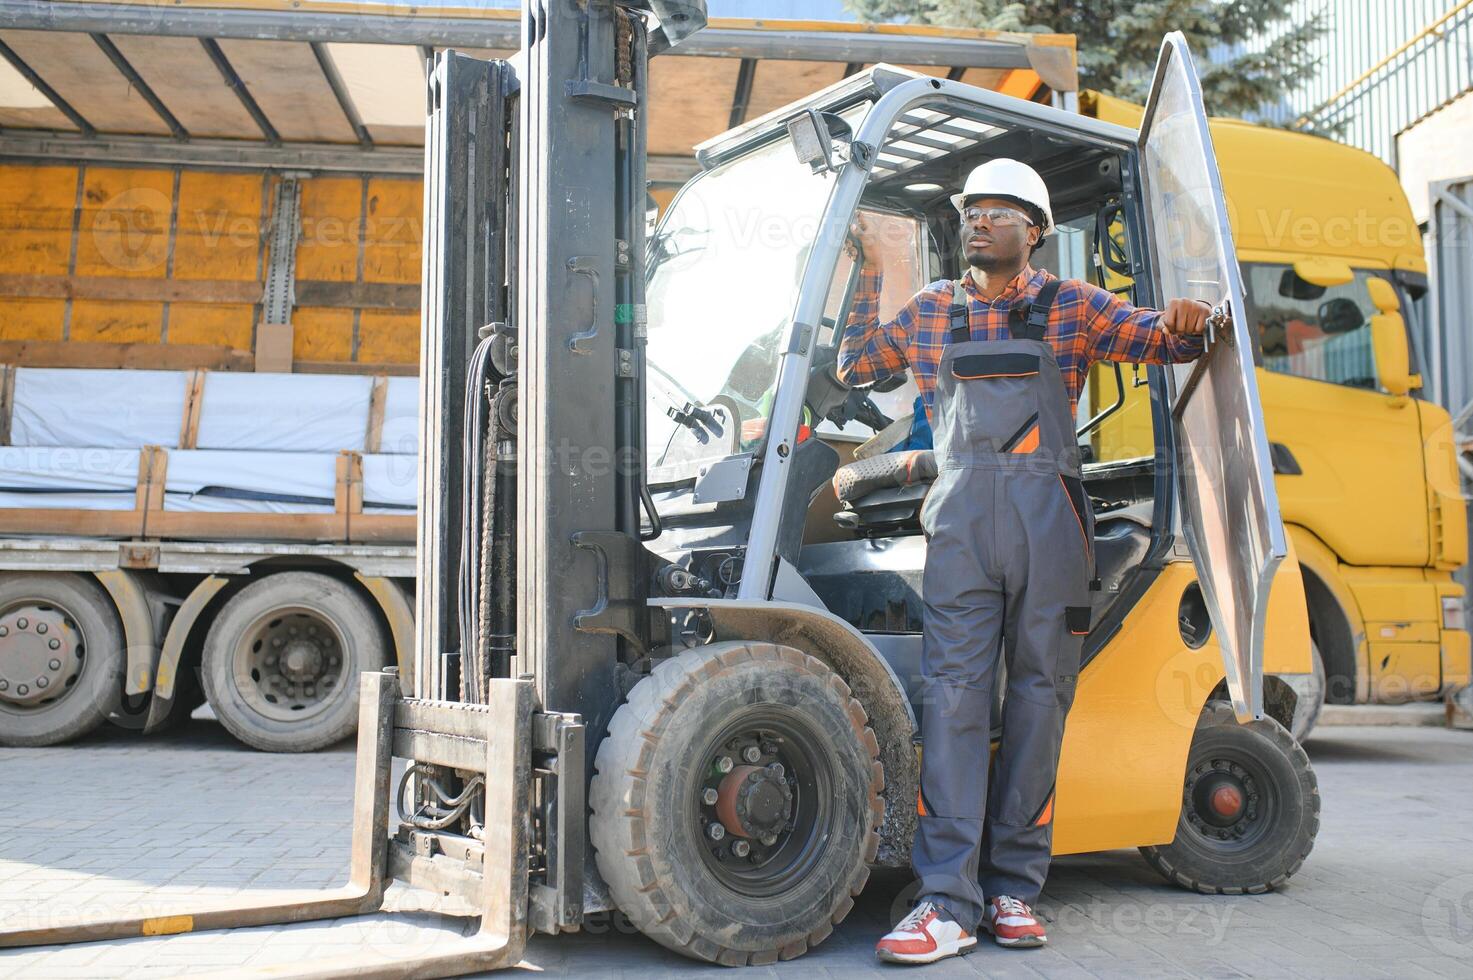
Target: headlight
(1452,612)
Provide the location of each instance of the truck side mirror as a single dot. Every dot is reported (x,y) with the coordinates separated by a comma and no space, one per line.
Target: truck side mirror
(1389,339)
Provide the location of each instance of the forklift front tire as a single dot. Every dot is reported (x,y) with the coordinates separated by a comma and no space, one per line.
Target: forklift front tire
(1250,808)
(736,803)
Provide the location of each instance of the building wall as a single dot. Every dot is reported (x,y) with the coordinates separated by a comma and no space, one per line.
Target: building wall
(1384,66)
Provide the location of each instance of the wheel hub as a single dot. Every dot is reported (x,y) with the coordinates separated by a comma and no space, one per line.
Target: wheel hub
(290,662)
(302,660)
(754,801)
(1222,800)
(39,654)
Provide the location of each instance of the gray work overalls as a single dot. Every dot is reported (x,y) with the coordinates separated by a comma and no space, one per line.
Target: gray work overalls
(1008,565)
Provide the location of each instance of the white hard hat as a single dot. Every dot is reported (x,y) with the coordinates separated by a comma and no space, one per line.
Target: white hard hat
(1008,178)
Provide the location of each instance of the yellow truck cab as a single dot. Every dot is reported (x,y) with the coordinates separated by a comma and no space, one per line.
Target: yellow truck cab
(1365,470)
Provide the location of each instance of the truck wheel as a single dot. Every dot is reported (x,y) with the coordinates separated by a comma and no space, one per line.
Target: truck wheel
(61,657)
(736,803)
(1250,808)
(282,659)
(1309,690)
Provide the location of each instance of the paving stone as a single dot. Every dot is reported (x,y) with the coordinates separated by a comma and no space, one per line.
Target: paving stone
(153,825)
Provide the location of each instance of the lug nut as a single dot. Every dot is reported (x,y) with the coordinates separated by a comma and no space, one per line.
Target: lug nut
(53,643)
(40,627)
(724,764)
(770,840)
(54,664)
(741,848)
(42,681)
(777,769)
(22,623)
(716,831)
(4,630)
(23,690)
(4,685)
(751,753)
(710,796)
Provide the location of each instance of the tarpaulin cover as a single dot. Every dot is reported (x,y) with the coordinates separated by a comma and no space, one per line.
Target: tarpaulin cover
(401,417)
(87,407)
(293,412)
(65,468)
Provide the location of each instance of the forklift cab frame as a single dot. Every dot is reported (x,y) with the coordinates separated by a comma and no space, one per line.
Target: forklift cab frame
(736,470)
(1211,454)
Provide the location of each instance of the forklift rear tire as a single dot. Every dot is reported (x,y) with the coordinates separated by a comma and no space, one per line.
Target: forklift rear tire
(1250,808)
(61,657)
(736,803)
(282,659)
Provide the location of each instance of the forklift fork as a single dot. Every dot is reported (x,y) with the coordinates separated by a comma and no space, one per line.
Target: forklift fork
(494,740)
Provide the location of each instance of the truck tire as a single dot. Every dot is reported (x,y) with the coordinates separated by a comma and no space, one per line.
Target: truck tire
(774,738)
(61,657)
(1250,808)
(1310,695)
(282,659)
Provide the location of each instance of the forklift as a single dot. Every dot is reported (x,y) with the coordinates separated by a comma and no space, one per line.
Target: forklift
(669,616)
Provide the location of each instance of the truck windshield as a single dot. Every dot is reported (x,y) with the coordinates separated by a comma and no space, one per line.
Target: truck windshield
(725,267)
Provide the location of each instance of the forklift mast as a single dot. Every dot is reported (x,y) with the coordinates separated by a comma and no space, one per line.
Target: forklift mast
(532,399)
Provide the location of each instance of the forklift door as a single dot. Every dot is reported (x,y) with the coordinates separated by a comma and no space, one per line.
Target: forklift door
(1229,509)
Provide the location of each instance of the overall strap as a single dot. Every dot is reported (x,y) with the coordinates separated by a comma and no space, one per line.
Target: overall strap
(1030,321)
(961,328)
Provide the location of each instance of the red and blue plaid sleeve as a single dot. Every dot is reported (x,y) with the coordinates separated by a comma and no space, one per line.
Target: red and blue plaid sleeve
(870,350)
(1119,331)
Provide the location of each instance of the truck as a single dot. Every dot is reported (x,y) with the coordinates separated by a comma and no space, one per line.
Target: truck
(1365,463)
(643,681)
(212,249)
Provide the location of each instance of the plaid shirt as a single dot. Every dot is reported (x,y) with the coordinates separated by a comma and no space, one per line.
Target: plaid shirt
(1086,324)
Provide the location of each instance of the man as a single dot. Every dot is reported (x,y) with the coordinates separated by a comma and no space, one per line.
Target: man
(999,357)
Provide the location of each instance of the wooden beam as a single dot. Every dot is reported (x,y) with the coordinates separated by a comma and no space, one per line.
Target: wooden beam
(7,401)
(373,438)
(166,357)
(194,397)
(390,296)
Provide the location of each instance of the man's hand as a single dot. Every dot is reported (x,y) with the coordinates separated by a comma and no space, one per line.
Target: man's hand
(868,241)
(1185,316)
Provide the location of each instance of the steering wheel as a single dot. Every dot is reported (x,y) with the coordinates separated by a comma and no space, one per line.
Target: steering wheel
(832,399)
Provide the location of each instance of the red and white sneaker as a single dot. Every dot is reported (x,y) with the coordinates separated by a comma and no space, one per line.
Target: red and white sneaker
(928,934)
(1013,924)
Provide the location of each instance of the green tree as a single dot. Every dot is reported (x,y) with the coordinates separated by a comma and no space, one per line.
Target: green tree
(1118,40)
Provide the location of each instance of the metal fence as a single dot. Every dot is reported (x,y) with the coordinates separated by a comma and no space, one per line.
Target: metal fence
(1384,65)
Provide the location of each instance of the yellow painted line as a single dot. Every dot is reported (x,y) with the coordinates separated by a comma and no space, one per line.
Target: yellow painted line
(168,925)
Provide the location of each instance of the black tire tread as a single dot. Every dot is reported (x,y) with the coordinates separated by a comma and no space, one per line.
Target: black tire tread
(1221,713)
(85,599)
(370,647)
(623,760)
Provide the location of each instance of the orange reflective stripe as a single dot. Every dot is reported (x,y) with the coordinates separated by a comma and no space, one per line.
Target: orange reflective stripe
(976,377)
(921,804)
(1048,813)
(1028,443)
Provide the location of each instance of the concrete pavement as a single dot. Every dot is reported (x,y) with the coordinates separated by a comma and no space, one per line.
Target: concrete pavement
(119,822)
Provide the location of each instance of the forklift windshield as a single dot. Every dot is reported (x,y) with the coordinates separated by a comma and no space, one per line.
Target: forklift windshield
(724,271)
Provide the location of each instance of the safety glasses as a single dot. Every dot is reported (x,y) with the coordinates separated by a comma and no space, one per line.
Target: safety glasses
(995,216)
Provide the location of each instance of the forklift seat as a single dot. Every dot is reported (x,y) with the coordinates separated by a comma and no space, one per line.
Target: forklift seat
(883,493)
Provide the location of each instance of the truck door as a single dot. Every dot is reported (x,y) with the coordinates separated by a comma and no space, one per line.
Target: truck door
(1229,510)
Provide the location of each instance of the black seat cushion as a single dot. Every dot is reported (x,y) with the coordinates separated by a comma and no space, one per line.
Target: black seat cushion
(854,481)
